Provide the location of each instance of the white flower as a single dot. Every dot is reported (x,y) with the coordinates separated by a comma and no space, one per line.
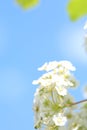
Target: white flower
(54,64)
(61,90)
(59,119)
(45,82)
(56,78)
(61,82)
(47,75)
(67,65)
(50,66)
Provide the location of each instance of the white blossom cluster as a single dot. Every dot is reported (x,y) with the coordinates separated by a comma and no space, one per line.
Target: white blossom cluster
(52,98)
(78,119)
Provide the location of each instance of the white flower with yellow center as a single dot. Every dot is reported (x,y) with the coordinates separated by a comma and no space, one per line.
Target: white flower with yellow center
(59,119)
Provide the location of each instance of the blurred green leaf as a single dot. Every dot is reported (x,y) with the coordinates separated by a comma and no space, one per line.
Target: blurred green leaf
(77,9)
(25,4)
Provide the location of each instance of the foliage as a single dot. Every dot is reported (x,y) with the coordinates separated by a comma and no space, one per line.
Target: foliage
(25,4)
(76,9)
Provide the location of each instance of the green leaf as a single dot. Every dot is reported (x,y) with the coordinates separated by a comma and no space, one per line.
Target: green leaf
(77,9)
(25,4)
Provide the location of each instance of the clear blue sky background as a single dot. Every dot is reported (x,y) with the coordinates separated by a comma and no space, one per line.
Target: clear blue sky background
(27,40)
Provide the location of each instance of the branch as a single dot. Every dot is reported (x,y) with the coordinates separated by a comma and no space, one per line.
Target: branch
(75,103)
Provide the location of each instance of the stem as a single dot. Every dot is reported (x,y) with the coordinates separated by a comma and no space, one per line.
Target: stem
(75,103)
(52,97)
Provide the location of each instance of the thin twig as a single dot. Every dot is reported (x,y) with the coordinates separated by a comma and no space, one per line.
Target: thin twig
(85,100)
(75,103)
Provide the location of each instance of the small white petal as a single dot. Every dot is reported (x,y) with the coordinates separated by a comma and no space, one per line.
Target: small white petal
(35,82)
(68,65)
(61,90)
(37,92)
(43,67)
(52,65)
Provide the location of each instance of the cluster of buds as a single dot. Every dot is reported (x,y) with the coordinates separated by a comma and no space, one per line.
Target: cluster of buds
(52,98)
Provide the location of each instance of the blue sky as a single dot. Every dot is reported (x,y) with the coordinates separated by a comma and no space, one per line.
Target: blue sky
(27,40)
